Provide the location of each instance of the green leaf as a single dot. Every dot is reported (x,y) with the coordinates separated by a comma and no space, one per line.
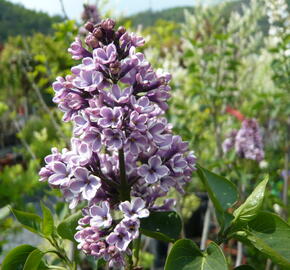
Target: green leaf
(29,221)
(244,267)
(164,226)
(250,208)
(16,258)
(47,222)
(33,260)
(185,255)
(271,236)
(67,228)
(222,192)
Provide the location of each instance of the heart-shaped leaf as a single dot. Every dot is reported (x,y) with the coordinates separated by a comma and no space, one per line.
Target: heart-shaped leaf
(185,255)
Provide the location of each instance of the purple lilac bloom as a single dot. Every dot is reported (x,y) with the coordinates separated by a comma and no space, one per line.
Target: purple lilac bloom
(247,141)
(154,170)
(116,102)
(101,216)
(84,183)
(120,238)
(135,209)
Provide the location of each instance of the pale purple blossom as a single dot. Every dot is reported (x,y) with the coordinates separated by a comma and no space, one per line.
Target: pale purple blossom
(113,138)
(101,216)
(134,209)
(85,183)
(116,102)
(77,50)
(110,117)
(105,55)
(247,141)
(154,170)
(119,238)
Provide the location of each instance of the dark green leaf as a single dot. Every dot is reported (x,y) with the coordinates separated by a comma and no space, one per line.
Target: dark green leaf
(16,258)
(29,221)
(164,226)
(47,222)
(33,260)
(185,255)
(221,191)
(67,228)
(250,208)
(270,235)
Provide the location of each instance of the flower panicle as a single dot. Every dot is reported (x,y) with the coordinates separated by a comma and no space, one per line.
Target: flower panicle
(123,154)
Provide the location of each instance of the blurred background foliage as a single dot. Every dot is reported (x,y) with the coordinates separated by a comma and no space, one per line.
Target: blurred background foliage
(220,56)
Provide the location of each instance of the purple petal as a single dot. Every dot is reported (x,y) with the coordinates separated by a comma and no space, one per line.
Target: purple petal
(112,238)
(76,186)
(89,192)
(151,178)
(125,207)
(138,204)
(155,162)
(59,167)
(162,171)
(56,179)
(97,211)
(143,170)
(81,173)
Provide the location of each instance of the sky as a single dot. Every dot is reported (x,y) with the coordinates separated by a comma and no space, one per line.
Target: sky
(127,7)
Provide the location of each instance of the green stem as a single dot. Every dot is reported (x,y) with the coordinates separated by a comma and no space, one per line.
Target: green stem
(124,187)
(137,246)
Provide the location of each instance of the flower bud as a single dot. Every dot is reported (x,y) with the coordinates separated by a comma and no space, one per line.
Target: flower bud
(91,41)
(108,24)
(89,26)
(98,33)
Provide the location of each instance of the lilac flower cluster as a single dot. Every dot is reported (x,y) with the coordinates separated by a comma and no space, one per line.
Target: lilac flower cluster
(246,141)
(123,154)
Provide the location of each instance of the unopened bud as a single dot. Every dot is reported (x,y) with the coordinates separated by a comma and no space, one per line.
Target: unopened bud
(91,41)
(98,33)
(108,24)
(122,30)
(89,26)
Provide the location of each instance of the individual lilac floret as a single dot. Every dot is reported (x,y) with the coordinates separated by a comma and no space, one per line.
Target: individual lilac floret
(110,117)
(101,216)
(132,226)
(124,158)
(154,170)
(106,55)
(119,238)
(60,174)
(85,184)
(77,50)
(135,209)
